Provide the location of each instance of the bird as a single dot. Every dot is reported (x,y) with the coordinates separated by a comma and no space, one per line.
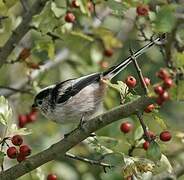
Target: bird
(77,100)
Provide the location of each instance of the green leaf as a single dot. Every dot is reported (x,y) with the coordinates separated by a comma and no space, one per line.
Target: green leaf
(115,159)
(82,35)
(163,165)
(153,152)
(107,141)
(117,7)
(179,59)
(165,19)
(2,155)
(138,133)
(108,38)
(161,122)
(57,11)
(13,129)
(5,111)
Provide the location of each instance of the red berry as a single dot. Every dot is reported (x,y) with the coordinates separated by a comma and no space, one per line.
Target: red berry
(51,177)
(130,81)
(90,6)
(147,81)
(22,120)
(21,158)
(164,96)
(146,145)
(108,52)
(25,150)
(159,90)
(104,64)
(159,101)
(165,136)
(126,127)
(12,152)
(69,17)
(25,53)
(142,10)
(17,140)
(162,73)
(75,4)
(149,108)
(168,82)
(32,116)
(151,134)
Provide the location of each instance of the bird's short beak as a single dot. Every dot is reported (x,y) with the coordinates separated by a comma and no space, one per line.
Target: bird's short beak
(34,106)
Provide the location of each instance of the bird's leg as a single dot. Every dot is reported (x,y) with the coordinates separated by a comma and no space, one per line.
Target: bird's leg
(81,123)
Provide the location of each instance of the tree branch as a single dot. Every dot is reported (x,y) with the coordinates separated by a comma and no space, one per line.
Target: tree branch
(21,30)
(43,68)
(76,137)
(90,161)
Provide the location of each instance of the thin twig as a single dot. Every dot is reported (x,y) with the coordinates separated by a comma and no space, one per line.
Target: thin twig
(16,90)
(90,161)
(139,72)
(146,134)
(24,5)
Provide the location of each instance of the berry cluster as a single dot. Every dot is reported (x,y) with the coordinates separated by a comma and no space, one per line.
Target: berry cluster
(23,119)
(161,89)
(21,153)
(70,17)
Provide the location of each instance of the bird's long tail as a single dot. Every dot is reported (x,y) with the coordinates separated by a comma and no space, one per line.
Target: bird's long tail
(113,71)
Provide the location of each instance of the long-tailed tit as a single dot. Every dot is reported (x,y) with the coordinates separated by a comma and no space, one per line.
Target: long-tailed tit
(75,99)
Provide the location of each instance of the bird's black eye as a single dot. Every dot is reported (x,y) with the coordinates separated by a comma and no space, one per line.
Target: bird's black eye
(39,102)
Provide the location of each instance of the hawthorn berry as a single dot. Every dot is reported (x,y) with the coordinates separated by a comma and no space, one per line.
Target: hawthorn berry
(149,108)
(165,96)
(126,127)
(20,157)
(108,52)
(22,120)
(151,134)
(142,10)
(104,64)
(90,6)
(17,140)
(75,4)
(69,17)
(146,145)
(159,90)
(165,136)
(147,81)
(168,82)
(163,74)
(25,53)
(51,177)
(32,116)
(25,150)
(12,152)
(159,101)
(130,81)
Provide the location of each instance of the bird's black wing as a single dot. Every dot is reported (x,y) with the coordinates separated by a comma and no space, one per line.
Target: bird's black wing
(60,94)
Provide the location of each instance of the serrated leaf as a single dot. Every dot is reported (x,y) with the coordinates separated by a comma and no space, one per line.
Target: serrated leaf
(138,133)
(161,122)
(5,111)
(165,19)
(2,155)
(153,151)
(163,165)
